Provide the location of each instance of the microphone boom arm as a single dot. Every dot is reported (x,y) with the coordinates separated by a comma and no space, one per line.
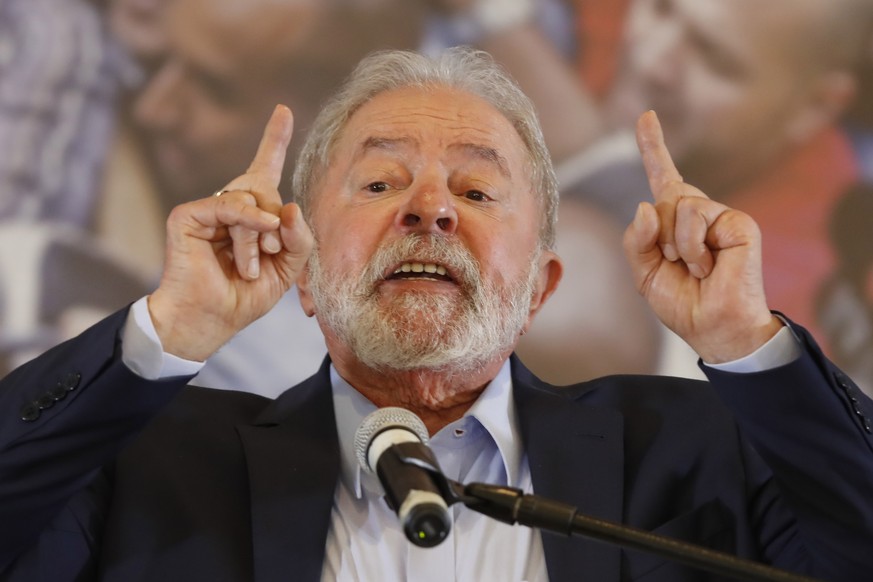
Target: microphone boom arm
(511,505)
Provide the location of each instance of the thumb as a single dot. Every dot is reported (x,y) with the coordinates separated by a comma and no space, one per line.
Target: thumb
(297,242)
(641,248)
(641,236)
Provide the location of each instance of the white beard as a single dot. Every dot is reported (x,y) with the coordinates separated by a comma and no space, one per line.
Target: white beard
(419,330)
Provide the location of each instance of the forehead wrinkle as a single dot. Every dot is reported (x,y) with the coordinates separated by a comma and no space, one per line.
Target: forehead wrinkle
(395,130)
(387,144)
(395,144)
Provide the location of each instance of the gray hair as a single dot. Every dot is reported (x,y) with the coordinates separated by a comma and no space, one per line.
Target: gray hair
(461,68)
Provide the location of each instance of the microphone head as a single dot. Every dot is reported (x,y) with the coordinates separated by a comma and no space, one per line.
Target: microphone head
(390,417)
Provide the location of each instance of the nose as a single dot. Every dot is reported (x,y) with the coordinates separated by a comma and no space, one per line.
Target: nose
(428,208)
(158,106)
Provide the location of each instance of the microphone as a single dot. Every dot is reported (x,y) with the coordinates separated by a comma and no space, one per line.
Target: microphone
(392,442)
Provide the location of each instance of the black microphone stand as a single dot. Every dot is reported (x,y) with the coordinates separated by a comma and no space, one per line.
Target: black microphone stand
(511,505)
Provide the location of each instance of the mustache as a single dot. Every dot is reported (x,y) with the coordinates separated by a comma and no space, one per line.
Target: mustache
(422,248)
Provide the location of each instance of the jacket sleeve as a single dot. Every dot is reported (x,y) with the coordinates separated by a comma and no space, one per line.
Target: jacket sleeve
(63,416)
(812,425)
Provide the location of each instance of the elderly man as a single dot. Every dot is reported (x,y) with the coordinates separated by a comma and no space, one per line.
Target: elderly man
(432,205)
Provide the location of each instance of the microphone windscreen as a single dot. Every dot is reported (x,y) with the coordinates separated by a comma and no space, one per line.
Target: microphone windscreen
(383,419)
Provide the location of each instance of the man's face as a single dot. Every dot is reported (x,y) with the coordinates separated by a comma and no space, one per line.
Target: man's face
(203,109)
(726,78)
(428,234)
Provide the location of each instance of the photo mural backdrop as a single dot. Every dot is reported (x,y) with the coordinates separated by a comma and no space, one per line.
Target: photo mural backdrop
(112,112)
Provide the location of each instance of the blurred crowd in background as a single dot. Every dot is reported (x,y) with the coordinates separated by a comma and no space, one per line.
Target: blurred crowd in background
(114,111)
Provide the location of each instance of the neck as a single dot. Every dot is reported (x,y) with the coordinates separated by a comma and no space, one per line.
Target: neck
(438,397)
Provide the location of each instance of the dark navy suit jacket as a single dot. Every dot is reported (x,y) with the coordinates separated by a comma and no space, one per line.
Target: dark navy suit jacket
(105,476)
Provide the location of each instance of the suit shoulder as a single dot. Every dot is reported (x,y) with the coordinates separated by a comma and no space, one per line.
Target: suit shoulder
(640,385)
(223,406)
(618,387)
(683,399)
(197,420)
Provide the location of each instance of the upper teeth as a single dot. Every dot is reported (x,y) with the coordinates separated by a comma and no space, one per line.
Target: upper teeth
(421,268)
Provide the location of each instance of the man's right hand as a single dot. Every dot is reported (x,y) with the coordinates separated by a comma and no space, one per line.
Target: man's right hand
(232,256)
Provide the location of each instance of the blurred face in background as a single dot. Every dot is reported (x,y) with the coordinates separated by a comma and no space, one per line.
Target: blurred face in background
(229,62)
(218,82)
(734,82)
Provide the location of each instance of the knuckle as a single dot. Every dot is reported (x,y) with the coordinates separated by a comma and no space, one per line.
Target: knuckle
(243,234)
(178,214)
(247,198)
(742,221)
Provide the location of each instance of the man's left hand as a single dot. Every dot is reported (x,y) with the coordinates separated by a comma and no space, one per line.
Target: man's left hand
(696,261)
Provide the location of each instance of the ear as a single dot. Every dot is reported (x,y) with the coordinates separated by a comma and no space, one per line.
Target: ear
(304,293)
(551,269)
(829,97)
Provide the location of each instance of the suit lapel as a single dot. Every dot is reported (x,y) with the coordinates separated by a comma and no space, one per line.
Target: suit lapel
(292,455)
(575,453)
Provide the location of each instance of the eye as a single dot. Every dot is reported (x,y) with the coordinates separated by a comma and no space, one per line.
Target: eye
(377,187)
(476,196)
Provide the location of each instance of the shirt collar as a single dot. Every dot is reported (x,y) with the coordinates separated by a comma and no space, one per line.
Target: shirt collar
(494,409)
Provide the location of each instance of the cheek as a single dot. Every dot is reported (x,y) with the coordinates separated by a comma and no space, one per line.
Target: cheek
(346,242)
(224,132)
(505,257)
(712,108)
(713,98)
(219,125)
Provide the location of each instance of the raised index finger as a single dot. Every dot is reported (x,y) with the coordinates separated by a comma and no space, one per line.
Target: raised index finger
(659,165)
(270,157)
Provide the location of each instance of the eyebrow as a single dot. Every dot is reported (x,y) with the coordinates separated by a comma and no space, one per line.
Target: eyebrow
(487,154)
(478,151)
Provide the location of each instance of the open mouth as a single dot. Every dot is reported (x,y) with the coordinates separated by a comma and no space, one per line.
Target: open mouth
(426,271)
